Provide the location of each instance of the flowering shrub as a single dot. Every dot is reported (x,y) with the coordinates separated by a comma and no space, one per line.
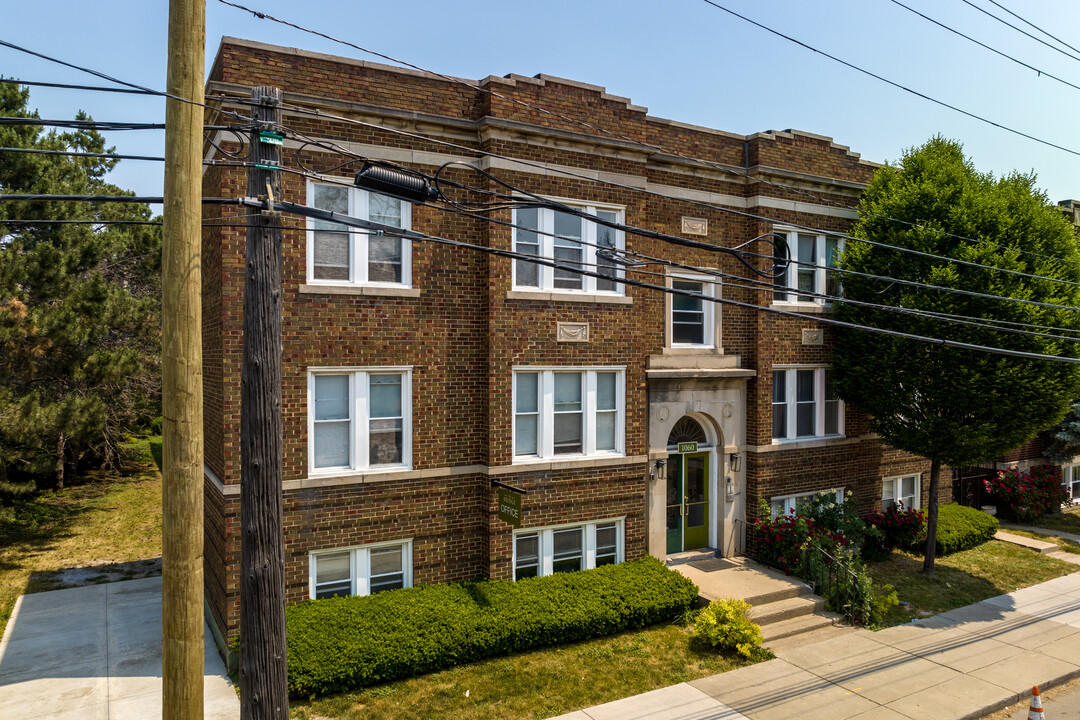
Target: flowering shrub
(781,540)
(891,528)
(1025,496)
(726,624)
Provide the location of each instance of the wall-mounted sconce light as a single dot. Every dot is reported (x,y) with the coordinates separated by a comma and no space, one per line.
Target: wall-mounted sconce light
(660,470)
(736,462)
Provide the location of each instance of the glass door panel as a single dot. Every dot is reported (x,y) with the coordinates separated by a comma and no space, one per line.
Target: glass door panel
(674,504)
(696,493)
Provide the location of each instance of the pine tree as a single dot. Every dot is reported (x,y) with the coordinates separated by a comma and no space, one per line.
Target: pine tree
(79,305)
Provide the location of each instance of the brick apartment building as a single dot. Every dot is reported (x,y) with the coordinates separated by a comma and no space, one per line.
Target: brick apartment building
(415,373)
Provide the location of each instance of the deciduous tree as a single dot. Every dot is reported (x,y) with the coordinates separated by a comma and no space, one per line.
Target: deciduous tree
(955,406)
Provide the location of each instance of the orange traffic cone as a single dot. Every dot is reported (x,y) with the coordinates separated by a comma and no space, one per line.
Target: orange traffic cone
(1035,712)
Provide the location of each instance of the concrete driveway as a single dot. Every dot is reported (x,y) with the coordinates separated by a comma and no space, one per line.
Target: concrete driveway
(94,653)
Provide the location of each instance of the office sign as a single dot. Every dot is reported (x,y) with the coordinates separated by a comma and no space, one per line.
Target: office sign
(688,447)
(510,507)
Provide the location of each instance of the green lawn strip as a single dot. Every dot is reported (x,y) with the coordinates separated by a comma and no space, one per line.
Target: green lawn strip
(1066,521)
(105,519)
(963,578)
(538,684)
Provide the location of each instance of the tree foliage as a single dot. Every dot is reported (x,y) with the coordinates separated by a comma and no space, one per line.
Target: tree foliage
(79,305)
(957,406)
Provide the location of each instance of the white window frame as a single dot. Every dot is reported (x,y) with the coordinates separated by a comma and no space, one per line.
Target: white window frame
(790,400)
(360,421)
(358,242)
(708,289)
(545,443)
(360,565)
(547,545)
(892,494)
(1070,474)
(787,288)
(546,238)
(791,501)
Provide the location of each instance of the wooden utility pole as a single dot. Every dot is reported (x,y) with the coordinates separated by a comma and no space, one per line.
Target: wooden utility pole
(181,385)
(264,692)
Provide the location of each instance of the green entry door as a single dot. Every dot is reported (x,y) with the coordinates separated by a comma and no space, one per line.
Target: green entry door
(696,497)
(687,502)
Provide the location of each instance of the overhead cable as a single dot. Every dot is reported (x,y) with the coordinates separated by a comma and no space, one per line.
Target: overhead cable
(986,12)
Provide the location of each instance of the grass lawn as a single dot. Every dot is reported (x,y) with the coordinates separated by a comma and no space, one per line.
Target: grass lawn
(1066,521)
(537,684)
(107,527)
(963,578)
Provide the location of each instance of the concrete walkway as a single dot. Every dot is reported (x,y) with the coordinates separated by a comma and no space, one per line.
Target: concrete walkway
(94,653)
(964,663)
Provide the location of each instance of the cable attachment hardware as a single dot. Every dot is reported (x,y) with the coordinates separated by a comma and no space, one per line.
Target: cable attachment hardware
(780,255)
(396,182)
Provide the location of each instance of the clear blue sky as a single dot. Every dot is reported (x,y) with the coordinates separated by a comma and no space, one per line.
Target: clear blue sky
(682,59)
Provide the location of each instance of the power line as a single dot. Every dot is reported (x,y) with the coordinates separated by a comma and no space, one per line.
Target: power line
(70,153)
(391,231)
(984,45)
(103,76)
(158,200)
(1022,31)
(718,208)
(717,166)
(68,86)
(895,84)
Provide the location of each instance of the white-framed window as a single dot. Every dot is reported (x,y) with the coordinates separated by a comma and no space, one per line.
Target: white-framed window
(791,504)
(903,489)
(568,240)
(568,412)
(690,323)
(340,255)
(363,570)
(359,419)
(811,257)
(805,404)
(1070,480)
(567,548)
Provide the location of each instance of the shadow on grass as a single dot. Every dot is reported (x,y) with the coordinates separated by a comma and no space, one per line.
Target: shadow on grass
(962,578)
(42,580)
(155,450)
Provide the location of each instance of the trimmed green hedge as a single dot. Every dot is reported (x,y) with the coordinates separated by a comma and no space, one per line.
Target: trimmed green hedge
(345,643)
(961,528)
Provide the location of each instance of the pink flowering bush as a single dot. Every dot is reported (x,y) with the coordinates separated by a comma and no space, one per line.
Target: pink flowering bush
(1025,496)
(781,540)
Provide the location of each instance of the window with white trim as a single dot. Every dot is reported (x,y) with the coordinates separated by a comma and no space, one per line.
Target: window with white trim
(794,504)
(1070,481)
(805,404)
(811,257)
(691,321)
(340,255)
(903,489)
(362,570)
(569,412)
(568,240)
(359,419)
(567,548)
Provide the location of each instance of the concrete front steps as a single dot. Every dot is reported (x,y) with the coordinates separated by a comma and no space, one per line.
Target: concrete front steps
(783,606)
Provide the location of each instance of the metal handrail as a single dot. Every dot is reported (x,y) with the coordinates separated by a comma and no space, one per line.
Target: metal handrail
(840,583)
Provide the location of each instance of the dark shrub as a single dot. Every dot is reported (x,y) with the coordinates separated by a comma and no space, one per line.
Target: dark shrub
(961,528)
(346,643)
(891,528)
(1026,496)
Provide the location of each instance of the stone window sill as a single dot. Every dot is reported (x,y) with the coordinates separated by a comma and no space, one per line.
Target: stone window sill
(369,290)
(569,297)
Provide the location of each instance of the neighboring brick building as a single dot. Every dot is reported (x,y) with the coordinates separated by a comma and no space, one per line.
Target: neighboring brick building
(414,374)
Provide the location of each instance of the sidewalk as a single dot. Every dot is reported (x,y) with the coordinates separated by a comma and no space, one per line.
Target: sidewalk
(964,663)
(94,653)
